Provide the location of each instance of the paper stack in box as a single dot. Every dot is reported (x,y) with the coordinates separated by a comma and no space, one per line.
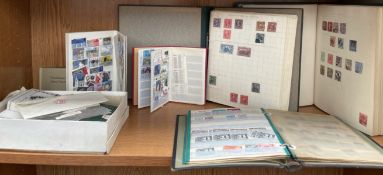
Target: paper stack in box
(62,121)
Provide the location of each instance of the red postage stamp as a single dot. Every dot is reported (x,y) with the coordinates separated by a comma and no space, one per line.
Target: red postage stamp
(227,23)
(226,34)
(363,119)
(233,97)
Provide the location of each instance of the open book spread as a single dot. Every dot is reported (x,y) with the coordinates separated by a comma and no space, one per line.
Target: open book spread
(170,74)
(224,135)
(233,137)
(251,59)
(96,61)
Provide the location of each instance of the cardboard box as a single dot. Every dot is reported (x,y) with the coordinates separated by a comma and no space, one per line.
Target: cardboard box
(65,135)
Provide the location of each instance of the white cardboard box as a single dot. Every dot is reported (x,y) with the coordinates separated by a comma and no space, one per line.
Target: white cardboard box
(64,135)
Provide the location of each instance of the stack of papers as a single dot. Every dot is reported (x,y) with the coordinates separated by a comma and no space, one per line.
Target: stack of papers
(36,104)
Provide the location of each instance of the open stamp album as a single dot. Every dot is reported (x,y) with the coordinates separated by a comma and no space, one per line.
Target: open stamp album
(273,138)
(342,62)
(250,62)
(164,74)
(96,61)
(251,59)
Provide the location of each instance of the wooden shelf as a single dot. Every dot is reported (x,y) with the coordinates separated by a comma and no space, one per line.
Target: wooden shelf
(145,140)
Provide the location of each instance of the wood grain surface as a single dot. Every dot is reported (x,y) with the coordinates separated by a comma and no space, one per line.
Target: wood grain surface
(73,170)
(15,46)
(145,140)
(14,169)
(32,36)
(51,19)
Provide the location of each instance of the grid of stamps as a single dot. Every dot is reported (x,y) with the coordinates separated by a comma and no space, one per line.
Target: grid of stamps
(332,64)
(92,64)
(340,63)
(338,28)
(229,24)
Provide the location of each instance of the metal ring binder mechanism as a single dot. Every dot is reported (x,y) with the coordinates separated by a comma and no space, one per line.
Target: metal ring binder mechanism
(289,146)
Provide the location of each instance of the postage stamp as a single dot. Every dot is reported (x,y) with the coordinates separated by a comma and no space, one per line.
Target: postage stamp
(348,64)
(79,77)
(92,43)
(358,67)
(106,50)
(157,69)
(332,41)
(78,43)
(324,25)
(260,26)
(204,139)
(106,60)
(353,45)
(271,26)
(335,27)
(233,97)
(330,58)
(244,99)
(107,41)
(244,51)
(338,75)
(217,22)
(238,24)
(80,63)
(78,53)
(212,80)
(221,137)
(330,71)
(94,62)
(255,87)
(227,23)
(338,61)
(363,119)
(96,70)
(92,52)
(226,49)
(342,28)
(239,136)
(260,38)
(322,69)
(145,73)
(340,43)
(226,34)
(323,56)
(329,26)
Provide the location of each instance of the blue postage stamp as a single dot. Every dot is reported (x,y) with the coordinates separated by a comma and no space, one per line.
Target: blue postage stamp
(358,67)
(227,49)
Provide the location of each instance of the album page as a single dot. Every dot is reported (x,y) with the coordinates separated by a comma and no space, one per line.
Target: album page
(251,59)
(324,138)
(170,74)
(231,135)
(159,89)
(347,45)
(144,76)
(95,61)
(187,75)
